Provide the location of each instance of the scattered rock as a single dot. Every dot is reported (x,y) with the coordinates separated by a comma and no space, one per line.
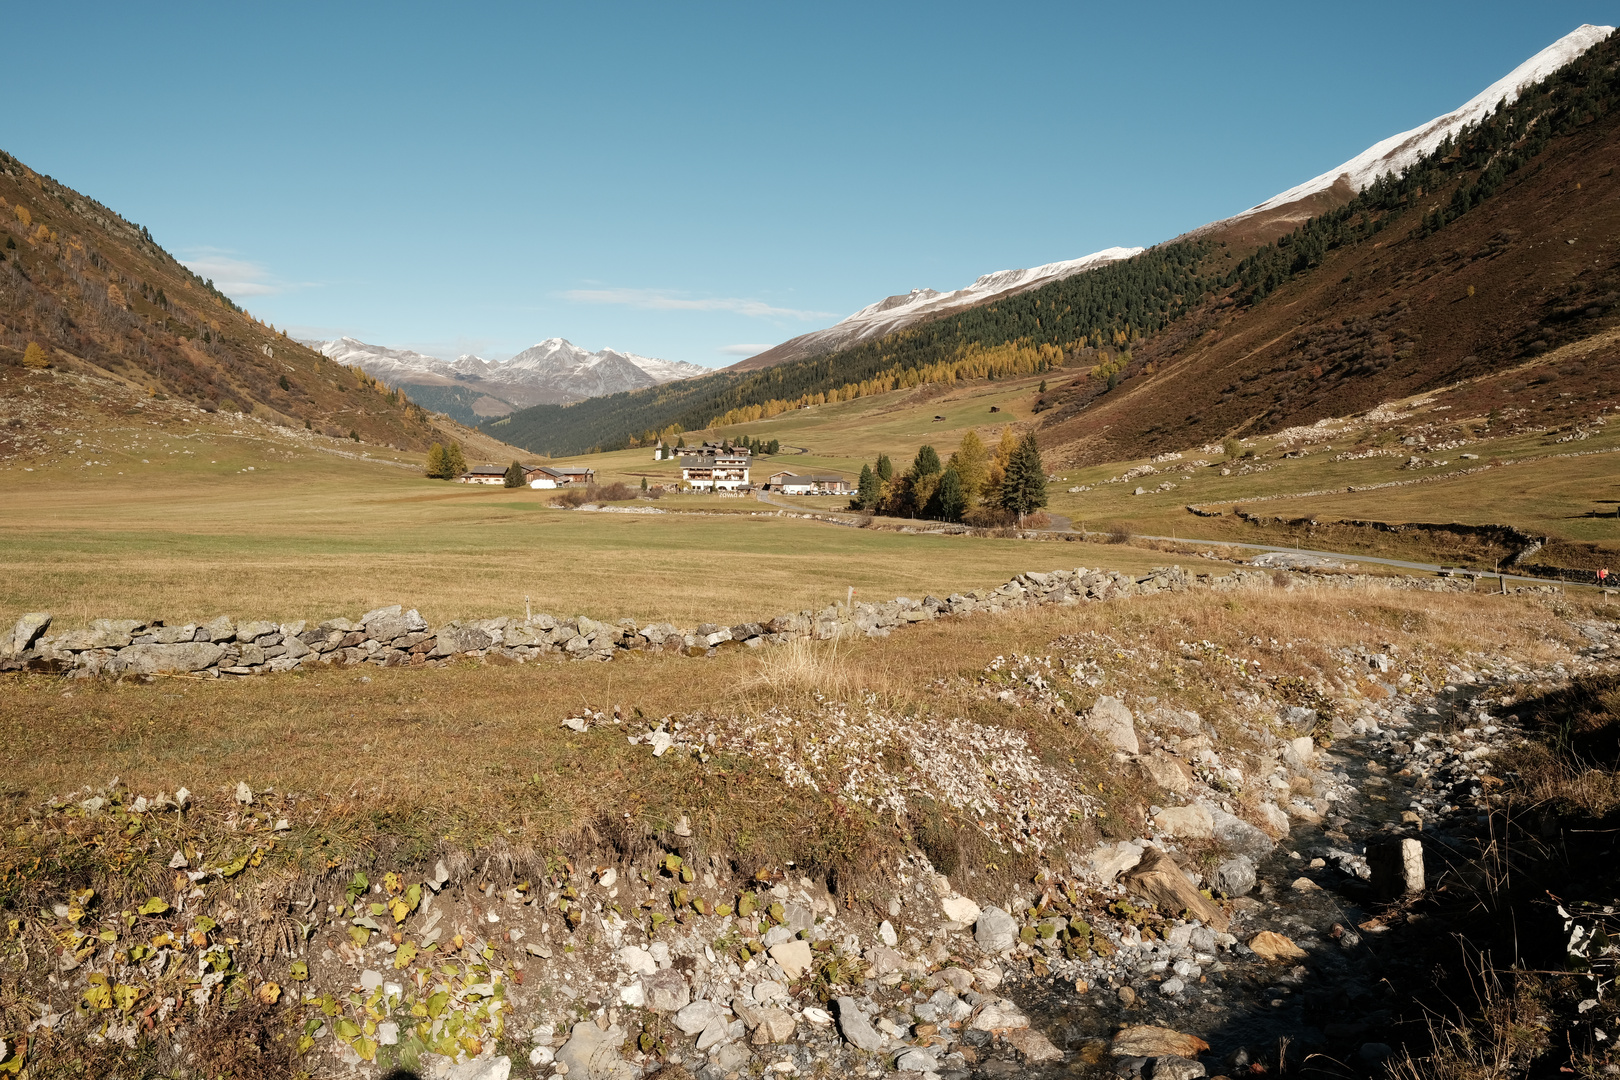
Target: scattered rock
(855,1027)
(1109,861)
(1176,1068)
(1270,945)
(794,957)
(1397,867)
(999,1015)
(1148,1041)
(495,1068)
(592,1053)
(960,909)
(995,931)
(666,990)
(1192,822)
(1235,876)
(1112,722)
(698,1015)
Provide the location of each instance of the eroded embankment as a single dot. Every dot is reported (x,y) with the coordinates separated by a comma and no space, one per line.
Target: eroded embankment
(1024,907)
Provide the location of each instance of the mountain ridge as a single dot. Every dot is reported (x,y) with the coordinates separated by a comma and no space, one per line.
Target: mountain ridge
(472,389)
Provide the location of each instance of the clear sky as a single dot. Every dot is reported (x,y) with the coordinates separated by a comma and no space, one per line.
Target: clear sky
(698,181)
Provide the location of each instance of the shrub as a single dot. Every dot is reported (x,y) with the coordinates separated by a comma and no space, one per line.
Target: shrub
(989,517)
(571,497)
(1119,533)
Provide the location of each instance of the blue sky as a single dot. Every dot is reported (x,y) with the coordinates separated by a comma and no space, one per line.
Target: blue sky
(689,181)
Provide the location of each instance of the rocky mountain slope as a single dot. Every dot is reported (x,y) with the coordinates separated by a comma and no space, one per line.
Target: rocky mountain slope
(472,389)
(895,313)
(96,295)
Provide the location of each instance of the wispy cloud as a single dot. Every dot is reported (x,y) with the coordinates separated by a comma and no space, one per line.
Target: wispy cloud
(236,277)
(743,350)
(665,300)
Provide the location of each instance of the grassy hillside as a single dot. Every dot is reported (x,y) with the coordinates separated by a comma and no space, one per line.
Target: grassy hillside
(95,293)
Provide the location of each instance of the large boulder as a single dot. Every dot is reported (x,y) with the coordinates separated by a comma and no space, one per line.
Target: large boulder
(460,639)
(1161,881)
(185,656)
(27,631)
(1113,723)
(995,931)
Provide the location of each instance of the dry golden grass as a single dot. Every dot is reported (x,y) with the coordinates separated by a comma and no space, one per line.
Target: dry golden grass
(477,751)
(325,539)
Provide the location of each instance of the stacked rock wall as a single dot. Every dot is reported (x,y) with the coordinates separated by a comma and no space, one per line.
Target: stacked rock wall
(392,636)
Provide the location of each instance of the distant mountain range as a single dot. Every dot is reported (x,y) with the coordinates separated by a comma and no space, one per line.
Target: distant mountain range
(471,389)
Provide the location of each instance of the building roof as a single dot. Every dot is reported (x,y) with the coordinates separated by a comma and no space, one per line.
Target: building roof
(567,471)
(486,470)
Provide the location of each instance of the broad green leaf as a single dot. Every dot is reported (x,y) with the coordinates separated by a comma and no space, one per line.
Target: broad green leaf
(155,906)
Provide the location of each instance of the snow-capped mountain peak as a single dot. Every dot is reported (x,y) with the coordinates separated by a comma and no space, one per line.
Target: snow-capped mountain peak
(1397,152)
(555,371)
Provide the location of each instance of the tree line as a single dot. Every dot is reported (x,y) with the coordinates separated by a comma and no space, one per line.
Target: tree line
(977,486)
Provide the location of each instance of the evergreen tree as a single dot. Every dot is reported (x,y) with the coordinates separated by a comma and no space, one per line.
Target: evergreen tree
(514,475)
(950,499)
(775,448)
(282,382)
(926,463)
(868,490)
(885,468)
(643,483)
(438,467)
(1023,488)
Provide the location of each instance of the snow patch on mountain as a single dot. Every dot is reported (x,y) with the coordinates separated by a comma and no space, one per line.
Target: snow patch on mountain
(555,371)
(1397,152)
(896,312)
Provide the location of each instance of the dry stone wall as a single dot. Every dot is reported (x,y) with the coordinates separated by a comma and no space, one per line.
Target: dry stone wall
(393,636)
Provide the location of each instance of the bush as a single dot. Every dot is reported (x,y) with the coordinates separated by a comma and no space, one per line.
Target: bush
(989,517)
(1119,533)
(570,497)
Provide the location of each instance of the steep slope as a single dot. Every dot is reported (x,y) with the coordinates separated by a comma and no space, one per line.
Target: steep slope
(1496,248)
(1287,210)
(895,313)
(97,294)
(473,389)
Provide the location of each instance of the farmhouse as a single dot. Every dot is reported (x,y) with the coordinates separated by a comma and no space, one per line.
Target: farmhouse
(545,476)
(808,484)
(484,474)
(718,471)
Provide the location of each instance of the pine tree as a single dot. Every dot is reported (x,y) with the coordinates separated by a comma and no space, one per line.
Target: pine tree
(950,499)
(885,468)
(282,382)
(926,463)
(868,490)
(514,475)
(643,483)
(1023,488)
